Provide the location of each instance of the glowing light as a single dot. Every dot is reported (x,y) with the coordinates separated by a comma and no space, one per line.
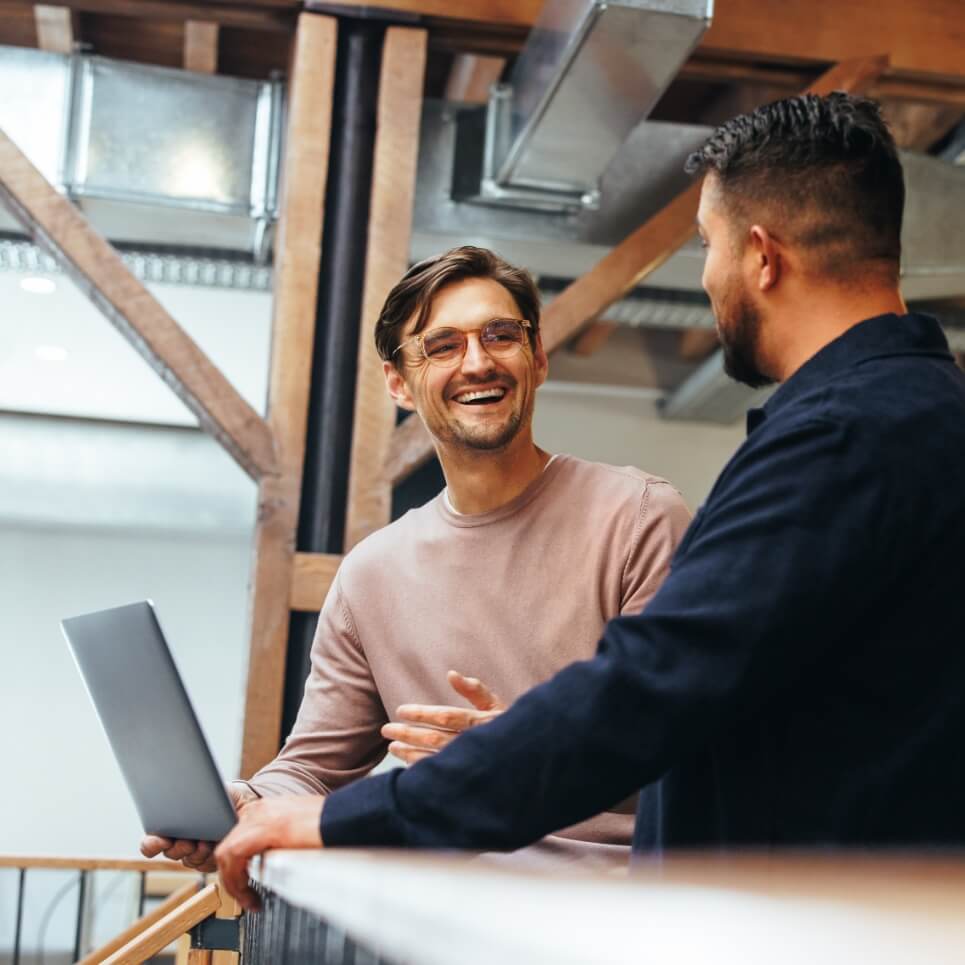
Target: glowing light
(37,286)
(51,353)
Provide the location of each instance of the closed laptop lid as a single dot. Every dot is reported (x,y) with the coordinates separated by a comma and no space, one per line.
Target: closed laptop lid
(152,728)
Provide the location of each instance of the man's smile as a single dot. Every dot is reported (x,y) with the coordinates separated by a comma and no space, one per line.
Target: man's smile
(481,397)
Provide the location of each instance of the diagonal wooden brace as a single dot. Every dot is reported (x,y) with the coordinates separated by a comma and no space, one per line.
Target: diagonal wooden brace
(100,273)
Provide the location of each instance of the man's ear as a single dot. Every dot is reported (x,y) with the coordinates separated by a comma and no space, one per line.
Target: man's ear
(767,263)
(397,387)
(542,362)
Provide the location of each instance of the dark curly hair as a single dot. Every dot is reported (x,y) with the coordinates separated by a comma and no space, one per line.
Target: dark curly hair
(827,167)
(423,281)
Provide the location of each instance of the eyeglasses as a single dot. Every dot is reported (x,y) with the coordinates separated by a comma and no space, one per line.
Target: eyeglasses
(500,337)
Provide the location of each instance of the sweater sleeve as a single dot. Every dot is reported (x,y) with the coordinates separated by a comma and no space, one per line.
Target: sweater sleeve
(662,521)
(336,736)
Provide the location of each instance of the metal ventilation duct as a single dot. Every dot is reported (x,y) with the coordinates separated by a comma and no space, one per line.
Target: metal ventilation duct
(591,70)
(153,156)
(646,174)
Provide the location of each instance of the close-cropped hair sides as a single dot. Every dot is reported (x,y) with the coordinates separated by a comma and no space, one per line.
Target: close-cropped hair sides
(826,167)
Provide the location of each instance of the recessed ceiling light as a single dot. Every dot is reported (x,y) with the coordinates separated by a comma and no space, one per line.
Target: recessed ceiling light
(51,353)
(37,286)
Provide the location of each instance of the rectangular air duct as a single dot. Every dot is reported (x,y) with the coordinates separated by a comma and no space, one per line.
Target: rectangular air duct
(154,157)
(591,70)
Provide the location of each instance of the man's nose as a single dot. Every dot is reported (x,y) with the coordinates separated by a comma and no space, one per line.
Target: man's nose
(477,360)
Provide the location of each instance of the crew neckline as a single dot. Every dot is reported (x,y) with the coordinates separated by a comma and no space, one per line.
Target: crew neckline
(452,516)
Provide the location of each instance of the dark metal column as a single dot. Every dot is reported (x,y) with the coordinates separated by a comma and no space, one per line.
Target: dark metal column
(321,524)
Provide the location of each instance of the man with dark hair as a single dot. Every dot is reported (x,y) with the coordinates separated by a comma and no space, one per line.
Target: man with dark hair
(459,583)
(797,679)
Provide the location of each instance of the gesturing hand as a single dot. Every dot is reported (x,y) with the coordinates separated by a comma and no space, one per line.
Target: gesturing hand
(424,729)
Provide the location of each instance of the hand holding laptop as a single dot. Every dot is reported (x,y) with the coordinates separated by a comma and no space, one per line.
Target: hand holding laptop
(195,855)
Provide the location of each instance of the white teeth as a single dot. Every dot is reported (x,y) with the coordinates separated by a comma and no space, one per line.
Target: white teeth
(480,394)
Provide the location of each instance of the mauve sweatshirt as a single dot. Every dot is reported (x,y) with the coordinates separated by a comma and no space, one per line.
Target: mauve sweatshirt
(510,596)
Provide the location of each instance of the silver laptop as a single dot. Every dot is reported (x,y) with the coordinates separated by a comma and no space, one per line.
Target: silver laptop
(150,723)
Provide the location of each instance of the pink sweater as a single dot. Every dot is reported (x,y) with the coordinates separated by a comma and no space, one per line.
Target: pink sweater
(510,596)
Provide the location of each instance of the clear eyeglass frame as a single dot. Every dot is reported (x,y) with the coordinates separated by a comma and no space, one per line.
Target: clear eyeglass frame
(492,346)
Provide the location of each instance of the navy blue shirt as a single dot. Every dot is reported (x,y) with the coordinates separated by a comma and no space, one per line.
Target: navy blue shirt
(798,680)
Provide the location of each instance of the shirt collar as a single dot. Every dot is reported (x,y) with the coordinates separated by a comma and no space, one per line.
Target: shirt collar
(878,337)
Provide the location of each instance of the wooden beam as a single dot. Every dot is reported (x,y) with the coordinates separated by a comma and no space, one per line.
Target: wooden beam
(91,864)
(592,338)
(57,28)
(260,16)
(386,259)
(787,78)
(502,13)
(924,39)
(697,343)
(201,46)
(471,76)
(160,934)
(142,924)
(621,269)
(918,126)
(297,258)
(311,579)
(97,269)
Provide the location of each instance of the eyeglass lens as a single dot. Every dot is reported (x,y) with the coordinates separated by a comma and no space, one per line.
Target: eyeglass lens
(500,337)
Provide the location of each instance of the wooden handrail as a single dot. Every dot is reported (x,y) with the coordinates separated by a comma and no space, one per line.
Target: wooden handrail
(163,931)
(90,864)
(173,901)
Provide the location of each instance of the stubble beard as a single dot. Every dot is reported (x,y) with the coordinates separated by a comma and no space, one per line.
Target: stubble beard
(738,327)
(485,439)
(490,438)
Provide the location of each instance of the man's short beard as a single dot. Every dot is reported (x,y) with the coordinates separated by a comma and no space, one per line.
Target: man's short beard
(739,338)
(484,442)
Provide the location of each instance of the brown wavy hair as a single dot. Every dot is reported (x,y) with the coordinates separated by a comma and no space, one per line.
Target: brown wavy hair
(414,293)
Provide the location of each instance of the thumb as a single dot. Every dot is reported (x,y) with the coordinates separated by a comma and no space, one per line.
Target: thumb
(475,691)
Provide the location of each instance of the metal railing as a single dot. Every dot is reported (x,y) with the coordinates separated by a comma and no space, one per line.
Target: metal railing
(180,885)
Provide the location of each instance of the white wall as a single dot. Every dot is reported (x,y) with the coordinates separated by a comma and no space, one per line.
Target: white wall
(63,793)
(622,427)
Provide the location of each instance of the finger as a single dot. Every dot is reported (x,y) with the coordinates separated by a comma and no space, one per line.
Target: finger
(448,718)
(180,849)
(152,845)
(408,754)
(200,858)
(425,737)
(475,691)
(232,857)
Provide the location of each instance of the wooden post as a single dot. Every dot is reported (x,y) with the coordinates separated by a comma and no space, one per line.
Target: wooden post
(622,269)
(56,28)
(387,257)
(297,259)
(201,46)
(312,576)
